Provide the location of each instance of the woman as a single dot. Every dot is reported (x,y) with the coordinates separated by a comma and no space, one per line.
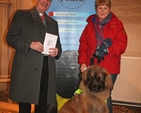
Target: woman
(104,40)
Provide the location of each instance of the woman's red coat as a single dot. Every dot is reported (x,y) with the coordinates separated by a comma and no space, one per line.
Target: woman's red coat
(114,29)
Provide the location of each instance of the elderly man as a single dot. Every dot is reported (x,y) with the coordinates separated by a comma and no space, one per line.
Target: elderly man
(33,73)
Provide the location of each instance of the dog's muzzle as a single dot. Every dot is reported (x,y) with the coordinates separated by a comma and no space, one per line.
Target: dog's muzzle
(95,84)
(97,87)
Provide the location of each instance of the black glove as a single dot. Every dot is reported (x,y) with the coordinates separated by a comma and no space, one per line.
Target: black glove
(105,44)
(100,55)
(102,49)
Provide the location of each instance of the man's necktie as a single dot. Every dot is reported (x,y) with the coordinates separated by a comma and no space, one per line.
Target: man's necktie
(42,18)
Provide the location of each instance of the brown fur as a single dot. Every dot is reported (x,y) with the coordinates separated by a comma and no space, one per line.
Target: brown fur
(97,83)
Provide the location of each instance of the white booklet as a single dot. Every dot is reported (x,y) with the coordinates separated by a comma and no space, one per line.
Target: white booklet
(49,42)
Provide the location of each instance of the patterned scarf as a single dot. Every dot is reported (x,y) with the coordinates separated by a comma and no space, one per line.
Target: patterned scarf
(99,26)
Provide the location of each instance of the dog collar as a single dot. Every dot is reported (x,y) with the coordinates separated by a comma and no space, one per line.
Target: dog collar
(79,91)
(105,101)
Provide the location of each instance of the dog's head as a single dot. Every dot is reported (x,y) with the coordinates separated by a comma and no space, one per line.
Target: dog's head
(96,79)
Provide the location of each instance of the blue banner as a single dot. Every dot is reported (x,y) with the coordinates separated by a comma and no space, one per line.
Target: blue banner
(71,16)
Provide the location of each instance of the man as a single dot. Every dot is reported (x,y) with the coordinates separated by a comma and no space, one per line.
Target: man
(33,73)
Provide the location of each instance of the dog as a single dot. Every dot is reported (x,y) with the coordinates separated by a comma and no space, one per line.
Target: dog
(94,89)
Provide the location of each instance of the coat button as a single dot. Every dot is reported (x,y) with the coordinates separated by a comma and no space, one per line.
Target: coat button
(35,69)
(41,33)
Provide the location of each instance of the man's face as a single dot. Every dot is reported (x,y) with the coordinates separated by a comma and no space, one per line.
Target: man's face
(43,5)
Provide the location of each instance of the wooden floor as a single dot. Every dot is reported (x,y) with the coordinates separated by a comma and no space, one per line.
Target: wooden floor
(8,106)
(11,107)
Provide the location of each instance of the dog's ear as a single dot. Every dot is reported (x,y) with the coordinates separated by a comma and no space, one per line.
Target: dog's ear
(83,75)
(109,83)
(88,78)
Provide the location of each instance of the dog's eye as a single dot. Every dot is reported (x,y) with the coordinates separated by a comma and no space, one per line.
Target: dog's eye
(91,78)
(99,79)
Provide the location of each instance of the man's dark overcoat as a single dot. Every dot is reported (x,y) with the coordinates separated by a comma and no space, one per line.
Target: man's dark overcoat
(26,26)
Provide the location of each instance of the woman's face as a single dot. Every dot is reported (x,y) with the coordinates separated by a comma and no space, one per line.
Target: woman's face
(102,12)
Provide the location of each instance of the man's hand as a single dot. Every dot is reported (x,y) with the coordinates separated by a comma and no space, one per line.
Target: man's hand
(37,46)
(53,52)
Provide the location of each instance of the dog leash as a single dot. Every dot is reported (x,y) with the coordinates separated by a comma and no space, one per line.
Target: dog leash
(92,59)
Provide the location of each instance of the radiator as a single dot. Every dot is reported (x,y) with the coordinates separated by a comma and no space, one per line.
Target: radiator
(127,87)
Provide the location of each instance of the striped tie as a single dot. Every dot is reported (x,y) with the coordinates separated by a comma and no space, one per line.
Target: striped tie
(42,17)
